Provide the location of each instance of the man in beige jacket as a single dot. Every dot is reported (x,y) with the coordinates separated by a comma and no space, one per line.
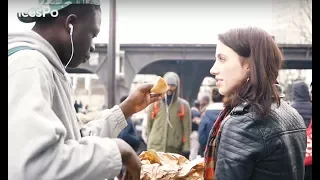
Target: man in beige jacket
(45,141)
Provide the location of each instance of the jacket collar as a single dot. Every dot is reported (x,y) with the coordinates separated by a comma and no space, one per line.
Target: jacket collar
(240,109)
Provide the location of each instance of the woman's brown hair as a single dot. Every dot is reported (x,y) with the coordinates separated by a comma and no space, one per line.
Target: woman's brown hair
(265,59)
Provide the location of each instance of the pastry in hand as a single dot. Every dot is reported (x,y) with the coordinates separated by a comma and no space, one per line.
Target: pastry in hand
(160,87)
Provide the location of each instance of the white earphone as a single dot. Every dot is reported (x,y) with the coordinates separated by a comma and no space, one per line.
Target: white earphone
(71,29)
(72,48)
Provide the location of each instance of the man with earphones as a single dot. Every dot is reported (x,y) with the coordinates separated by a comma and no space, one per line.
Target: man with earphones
(44,138)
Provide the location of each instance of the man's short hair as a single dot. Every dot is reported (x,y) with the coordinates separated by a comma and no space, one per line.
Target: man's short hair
(216,96)
(196,103)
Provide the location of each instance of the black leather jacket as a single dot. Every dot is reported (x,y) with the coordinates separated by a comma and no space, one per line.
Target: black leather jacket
(273,148)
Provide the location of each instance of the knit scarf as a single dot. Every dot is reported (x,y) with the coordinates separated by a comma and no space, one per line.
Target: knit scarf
(209,165)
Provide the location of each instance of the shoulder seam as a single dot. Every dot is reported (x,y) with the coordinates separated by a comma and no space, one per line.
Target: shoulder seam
(252,119)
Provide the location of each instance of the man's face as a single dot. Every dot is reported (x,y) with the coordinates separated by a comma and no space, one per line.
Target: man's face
(83,34)
(171,89)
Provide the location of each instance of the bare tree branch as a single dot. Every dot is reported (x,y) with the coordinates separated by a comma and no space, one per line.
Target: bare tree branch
(297,15)
(307,9)
(305,35)
(304,22)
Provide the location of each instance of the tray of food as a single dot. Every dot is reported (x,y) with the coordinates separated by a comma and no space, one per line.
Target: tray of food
(169,166)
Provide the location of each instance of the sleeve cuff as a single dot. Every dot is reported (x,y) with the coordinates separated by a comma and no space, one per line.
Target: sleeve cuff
(121,122)
(115,157)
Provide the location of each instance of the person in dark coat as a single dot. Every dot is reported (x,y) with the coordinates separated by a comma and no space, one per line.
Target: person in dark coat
(311,91)
(209,118)
(302,101)
(129,134)
(76,106)
(308,168)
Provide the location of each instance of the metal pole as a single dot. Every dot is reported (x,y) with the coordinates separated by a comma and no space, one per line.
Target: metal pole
(112,55)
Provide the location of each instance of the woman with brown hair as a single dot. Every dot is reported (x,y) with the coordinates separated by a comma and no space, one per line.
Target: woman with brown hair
(257,136)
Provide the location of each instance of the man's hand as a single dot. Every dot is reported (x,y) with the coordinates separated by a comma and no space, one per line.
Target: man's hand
(196,120)
(129,159)
(139,100)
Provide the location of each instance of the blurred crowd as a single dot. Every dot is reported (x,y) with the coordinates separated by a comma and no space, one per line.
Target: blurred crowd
(152,129)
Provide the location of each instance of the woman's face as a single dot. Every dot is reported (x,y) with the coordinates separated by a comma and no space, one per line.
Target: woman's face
(228,69)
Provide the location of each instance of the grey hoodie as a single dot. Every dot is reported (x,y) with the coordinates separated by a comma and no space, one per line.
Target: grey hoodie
(44,139)
(163,137)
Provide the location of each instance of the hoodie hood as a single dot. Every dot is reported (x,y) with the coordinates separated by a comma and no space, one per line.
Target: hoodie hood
(35,41)
(174,75)
(300,91)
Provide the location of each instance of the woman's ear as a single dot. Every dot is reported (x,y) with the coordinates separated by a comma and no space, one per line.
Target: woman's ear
(245,63)
(247,66)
